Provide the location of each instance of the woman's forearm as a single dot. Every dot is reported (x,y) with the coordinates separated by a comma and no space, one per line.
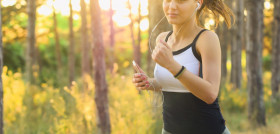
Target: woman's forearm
(196,85)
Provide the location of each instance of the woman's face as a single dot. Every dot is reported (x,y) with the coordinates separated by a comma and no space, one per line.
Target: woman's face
(179,11)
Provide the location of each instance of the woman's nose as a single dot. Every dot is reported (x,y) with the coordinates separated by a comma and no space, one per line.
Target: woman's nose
(173,4)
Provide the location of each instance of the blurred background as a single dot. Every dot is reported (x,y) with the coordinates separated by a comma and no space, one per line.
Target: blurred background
(66,66)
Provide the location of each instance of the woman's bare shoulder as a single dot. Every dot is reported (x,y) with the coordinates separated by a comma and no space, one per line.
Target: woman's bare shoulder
(162,36)
(209,35)
(206,40)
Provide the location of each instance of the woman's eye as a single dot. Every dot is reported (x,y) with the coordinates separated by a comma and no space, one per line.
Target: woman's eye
(176,1)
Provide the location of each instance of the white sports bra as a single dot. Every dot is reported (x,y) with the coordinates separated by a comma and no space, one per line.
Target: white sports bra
(187,57)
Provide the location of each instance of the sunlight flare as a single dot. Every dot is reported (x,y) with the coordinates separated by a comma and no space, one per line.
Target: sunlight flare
(267,5)
(6,3)
(45,10)
(120,8)
(144,24)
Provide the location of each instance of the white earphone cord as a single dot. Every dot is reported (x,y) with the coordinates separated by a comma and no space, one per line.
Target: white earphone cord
(198,5)
(151,83)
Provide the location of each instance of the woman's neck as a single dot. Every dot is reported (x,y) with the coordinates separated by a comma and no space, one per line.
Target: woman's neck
(184,31)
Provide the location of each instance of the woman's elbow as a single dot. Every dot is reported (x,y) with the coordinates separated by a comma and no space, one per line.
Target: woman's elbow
(210,101)
(211,98)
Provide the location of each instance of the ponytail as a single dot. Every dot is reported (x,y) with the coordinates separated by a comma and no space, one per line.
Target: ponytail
(217,7)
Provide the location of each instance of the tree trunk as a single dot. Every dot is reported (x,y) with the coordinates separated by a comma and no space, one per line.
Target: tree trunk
(131,27)
(71,58)
(101,88)
(138,46)
(223,32)
(275,80)
(256,108)
(233,48)
(112,38)
(155,15)
(236,70)
(57,46)
(85,46)
(1,84)
(228,35)
(30,51)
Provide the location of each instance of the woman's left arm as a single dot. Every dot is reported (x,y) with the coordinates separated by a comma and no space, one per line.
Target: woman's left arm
(206,89)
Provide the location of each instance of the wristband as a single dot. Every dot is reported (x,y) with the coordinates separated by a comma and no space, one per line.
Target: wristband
(180,72)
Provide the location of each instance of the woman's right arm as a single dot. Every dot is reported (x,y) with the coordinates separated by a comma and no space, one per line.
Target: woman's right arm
(142,82)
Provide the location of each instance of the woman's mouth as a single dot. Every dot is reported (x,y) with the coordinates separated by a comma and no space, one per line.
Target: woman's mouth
(172,14)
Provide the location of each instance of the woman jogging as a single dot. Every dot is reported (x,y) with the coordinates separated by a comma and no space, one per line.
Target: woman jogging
(188,69)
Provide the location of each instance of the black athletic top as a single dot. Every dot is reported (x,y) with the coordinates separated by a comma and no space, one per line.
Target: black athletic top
(184,113)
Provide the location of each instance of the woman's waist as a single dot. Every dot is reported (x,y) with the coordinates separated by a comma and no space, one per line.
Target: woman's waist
(186,101)
(176,89)
(190,110)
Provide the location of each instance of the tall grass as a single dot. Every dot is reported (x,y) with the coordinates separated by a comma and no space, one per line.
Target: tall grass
(43,109)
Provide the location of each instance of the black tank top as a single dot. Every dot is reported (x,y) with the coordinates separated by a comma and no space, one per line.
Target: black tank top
(184,113)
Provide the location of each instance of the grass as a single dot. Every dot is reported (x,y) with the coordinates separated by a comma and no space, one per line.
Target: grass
(239,124)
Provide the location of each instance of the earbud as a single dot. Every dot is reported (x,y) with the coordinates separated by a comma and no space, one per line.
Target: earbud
(198,6)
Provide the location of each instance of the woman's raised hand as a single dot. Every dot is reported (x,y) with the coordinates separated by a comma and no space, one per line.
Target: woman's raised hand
(162,54)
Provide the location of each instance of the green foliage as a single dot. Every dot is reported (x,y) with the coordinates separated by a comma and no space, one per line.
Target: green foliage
(14,24)
(267,63)
(122,56)
(129,111)
(14,40)
(45,109)
(234,100)
(14,56)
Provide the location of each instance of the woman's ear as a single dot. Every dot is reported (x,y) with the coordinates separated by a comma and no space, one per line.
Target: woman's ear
(200,2)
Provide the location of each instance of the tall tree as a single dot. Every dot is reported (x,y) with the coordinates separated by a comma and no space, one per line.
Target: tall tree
(137,50)
(222,31)
(30,51)
(154,17)
(256,109)
(112,37)
(71,57)
(85,45)
(275,80)
(101,87)
(131,27)
(228,35)
(236,70)
(57,45)
(1,84)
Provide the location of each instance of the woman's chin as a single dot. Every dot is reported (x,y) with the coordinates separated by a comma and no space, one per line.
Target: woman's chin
(172,22)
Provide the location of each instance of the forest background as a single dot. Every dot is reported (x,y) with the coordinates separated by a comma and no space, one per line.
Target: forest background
(66,66)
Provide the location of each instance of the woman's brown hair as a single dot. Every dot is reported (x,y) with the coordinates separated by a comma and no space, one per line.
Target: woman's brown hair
(217,7)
